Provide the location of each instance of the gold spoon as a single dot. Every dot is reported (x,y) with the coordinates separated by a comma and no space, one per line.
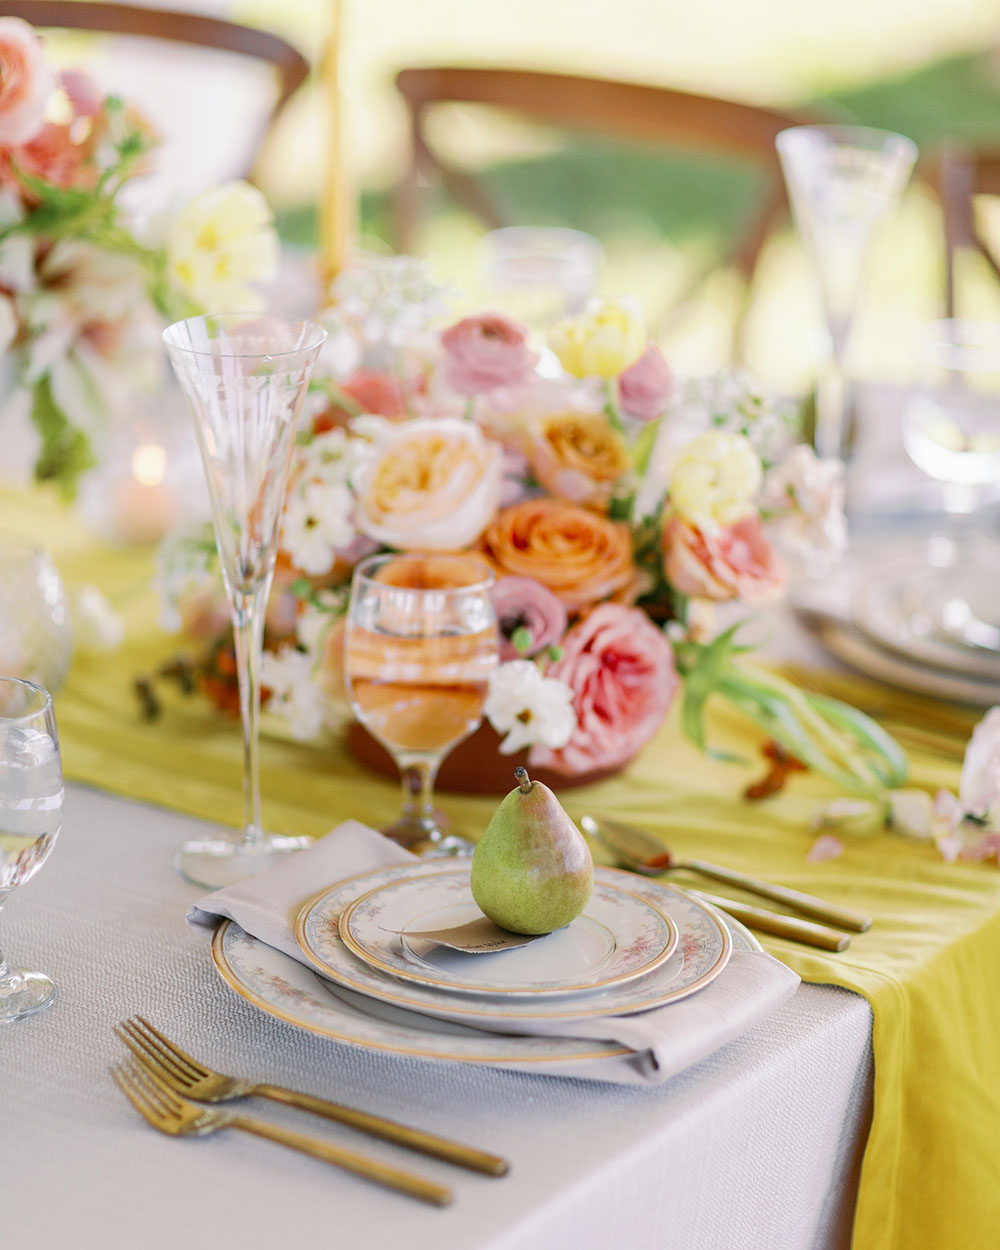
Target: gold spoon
(643,853)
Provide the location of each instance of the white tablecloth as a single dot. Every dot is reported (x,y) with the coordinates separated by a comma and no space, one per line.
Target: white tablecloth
(755,1149)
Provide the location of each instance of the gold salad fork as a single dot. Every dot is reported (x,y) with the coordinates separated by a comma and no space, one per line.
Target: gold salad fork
(177,1069)
(170,1113)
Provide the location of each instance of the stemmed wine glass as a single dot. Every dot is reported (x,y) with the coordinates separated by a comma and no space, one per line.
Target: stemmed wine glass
(420,644)
(842,181)
(31,805)
(245,377)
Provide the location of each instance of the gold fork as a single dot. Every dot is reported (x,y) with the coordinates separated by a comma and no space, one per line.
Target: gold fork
(176,1068)
(167,1111)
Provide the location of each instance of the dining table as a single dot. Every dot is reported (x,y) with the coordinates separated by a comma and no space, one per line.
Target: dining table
(864,1111)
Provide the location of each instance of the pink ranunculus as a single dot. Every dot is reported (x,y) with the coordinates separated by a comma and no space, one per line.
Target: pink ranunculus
(484,352)
(620,668)
(735,562)
(523,603)
(26,82)
(645,387)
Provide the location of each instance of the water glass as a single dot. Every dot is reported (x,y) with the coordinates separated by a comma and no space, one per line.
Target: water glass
(420,645)
(31,804)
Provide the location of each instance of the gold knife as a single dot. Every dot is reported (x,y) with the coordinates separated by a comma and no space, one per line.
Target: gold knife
(778,924)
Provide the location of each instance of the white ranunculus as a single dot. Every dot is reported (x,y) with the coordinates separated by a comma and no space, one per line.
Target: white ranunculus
(806,495)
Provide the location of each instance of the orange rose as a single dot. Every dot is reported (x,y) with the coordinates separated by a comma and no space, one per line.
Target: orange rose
(580,556)
(577,456)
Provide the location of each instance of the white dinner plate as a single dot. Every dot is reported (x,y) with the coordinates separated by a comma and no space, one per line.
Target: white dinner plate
(618,937)
(704,947)
(288,990)
(898,609)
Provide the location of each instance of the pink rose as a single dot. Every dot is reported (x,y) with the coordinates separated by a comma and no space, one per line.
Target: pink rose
(26,82)
(484,352)
(523,603)
(645,387)
(734,562)
(620,668)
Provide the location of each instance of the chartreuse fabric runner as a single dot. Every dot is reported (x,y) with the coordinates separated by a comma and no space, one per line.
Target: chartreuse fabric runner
(930,965)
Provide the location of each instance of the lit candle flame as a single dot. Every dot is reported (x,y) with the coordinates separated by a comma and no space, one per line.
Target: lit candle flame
(149,464)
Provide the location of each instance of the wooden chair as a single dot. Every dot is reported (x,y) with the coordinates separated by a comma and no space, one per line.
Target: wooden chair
(628,111)
(197,30)
(957,175)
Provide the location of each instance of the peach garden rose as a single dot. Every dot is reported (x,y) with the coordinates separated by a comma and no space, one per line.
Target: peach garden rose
(580,556)
(26,82)
(736,562)
(434,485)
(577,456)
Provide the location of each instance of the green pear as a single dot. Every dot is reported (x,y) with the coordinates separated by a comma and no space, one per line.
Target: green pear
(532,871)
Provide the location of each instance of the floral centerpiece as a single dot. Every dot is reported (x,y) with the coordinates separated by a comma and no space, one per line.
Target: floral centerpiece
(617,505)
(84,288)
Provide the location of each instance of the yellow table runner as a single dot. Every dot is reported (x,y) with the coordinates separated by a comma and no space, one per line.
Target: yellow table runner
(930,966)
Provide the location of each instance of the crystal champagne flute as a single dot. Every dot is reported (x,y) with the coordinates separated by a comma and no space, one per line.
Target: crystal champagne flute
(420,644)
(31,805)
(245,378)
(843,181)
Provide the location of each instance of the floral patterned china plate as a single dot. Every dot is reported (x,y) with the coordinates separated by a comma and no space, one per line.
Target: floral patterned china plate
(703,949)
(618,937)
(288,990)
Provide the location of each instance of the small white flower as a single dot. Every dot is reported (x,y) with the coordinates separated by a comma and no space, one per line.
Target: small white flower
(295,696)
(528,707)
(318,520)
(315,619)
(806,496)
(96,625)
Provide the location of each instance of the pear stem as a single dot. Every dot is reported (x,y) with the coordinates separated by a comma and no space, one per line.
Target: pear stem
(523,780)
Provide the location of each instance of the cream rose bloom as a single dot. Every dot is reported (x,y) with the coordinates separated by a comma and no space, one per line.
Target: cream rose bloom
(434,485)
(715,481)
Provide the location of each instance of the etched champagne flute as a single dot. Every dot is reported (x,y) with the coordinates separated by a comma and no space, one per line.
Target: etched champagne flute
(420,645)
(31,805)
(842,181)
(244,377)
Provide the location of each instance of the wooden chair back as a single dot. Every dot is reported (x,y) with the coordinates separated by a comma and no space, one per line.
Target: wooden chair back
(194,29)
(623,110)
(958,175)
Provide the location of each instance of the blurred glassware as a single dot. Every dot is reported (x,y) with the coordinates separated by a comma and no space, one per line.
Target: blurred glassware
(31,804)
(540,273)
(951,430)
(245,378)
(843,181)
(36,641)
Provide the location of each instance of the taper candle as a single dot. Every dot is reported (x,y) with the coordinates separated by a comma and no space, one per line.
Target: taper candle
(335,208)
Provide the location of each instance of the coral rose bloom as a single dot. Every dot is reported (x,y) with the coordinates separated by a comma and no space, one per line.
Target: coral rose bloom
(580,556)
(736,562)
(578,456)
(620,668)
(26,82)
(434,486)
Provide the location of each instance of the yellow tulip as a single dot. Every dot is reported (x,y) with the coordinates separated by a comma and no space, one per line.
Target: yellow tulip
(602,341)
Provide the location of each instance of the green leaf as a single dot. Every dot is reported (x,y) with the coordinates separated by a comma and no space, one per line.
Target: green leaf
(66,453)
(642,448)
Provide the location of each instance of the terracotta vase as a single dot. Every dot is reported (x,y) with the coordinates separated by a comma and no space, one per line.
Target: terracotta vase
(474,766)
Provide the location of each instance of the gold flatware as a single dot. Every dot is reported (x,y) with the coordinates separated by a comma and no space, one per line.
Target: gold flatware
(176,1068)
(168,1112)
(779,925)
(640,851)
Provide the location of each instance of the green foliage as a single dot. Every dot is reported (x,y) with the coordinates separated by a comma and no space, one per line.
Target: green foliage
(66,452)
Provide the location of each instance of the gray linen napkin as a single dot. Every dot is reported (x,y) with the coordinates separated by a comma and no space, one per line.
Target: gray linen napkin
(665,1040)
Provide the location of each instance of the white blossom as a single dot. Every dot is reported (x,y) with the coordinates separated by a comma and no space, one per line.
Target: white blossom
(295,695)
(318,520)
(806,497)
(529,707)
(96,625)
